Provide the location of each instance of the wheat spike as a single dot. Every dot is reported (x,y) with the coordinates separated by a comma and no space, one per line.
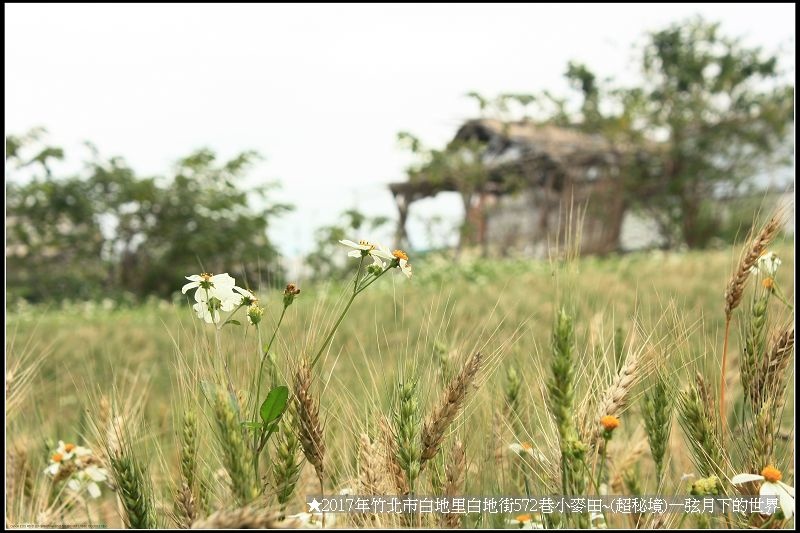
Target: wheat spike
(736,285)
(395,472)
(455,483)
(449,406)
(309,426)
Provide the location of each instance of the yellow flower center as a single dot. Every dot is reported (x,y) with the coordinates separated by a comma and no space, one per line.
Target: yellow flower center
(206,276)
(57,457)
(69,447)
(366,243)
(400,254)
(526,446)
(771,474)
(524,518)
(609,422)
(768,283)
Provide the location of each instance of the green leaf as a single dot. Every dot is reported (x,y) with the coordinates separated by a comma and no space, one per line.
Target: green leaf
(252,425)
(275,404)
(233,322)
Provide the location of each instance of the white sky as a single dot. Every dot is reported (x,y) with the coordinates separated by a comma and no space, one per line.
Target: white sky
(320,90)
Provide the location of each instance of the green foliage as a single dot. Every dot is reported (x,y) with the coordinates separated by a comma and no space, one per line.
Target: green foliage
(274,405)
(108,230)
(725,113)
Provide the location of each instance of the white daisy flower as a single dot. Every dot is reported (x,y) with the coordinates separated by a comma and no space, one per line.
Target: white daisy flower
(208,311)
(210,283)
(771,485)
(364,248)
(767,264)
(64,452)
(402,262)
(526,448)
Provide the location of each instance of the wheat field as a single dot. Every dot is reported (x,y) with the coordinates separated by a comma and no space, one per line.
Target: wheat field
(578,376)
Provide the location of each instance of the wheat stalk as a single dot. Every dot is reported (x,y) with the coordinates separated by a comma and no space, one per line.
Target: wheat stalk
(286,467)
(735,290)
(395,472)
(449,406)
(237,455)
(367,465)
(779,357)
(185,508)
(702,434)
(309,427)
(455,482)
(135,493)
(738,281)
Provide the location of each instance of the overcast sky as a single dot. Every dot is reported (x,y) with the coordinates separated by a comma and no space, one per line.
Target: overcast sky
(321,91)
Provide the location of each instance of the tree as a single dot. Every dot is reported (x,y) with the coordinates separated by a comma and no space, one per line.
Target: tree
(721,113)
(53,238)
(108,230)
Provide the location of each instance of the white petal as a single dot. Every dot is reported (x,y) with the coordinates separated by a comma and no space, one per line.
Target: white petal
(190,286)
(194,277)
(201,308)
(787,504)
(738,479)
(516,448)
(223,281)
(350,243)
(406,268)
(96,474)
(94,490)
(82,451)
(768,489)
(74,484)
(382,252)
(787,488)
(244,292)
(785,499)
(53,469)
(230,302)
(354,253)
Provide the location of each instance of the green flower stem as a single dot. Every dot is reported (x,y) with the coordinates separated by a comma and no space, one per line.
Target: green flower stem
(341,316)
(266,353)
(387,269)
(231,390)
(781,297)
(258,436)
(230,316)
